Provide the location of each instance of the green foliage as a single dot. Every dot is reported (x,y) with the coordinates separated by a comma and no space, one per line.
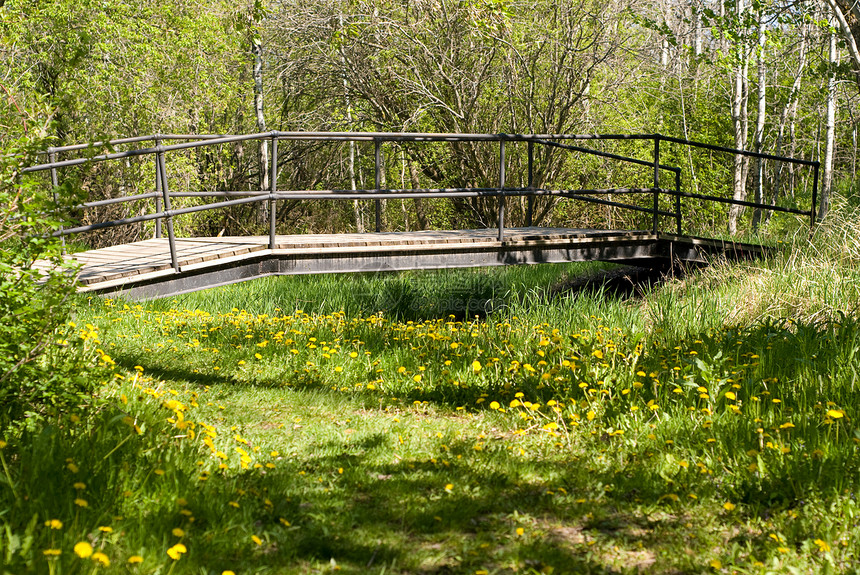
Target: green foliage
(41,366)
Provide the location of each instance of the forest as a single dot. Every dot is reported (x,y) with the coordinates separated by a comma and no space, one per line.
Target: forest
(774,77)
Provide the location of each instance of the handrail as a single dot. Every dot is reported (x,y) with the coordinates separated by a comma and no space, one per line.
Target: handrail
(164,211)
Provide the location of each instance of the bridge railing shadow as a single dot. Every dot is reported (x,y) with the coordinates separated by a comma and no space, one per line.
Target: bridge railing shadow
(661,202)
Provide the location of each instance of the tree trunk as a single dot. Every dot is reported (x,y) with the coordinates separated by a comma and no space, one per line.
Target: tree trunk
(356,205)
(740,123)
(827,186)
(257,49)
(787,119)
(850,29)
(760,120)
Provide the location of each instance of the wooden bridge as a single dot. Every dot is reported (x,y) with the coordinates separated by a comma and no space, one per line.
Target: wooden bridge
(167,264)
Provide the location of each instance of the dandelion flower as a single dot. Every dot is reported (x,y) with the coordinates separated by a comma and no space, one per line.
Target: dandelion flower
(106,529)
(81,502)
(716,564)
(83,549)
(730,395)
(176,551)
(256,540)
(835,413)
(823,546)
(177,532)
(79,485)
(449,487)
(51,552)
(100,557)
(729,506)
(135,559)
(476,366)
(54,524)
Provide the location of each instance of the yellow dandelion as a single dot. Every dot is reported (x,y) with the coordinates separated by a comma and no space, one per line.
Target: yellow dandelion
(520,530)
(835,413)
(716,564)
(54,524)
(176,551)
(228,572)
(81,502)
(494,405)
(729,506)
(256,540)
(823,546)
(135,559)
(79,485)
(106,529)
(83,549)
(101,558)
(476,366)
(449,487)
(731,395)
(51,552)
(177,532)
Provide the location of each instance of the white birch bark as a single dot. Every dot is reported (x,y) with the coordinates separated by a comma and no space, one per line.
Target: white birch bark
(740,124)
(760,118)
(846,29)
(830,138)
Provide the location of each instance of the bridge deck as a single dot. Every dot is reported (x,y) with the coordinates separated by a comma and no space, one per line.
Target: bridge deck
(144,269)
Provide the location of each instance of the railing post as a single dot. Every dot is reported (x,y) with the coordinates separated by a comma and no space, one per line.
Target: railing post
(501,189)
(157,191)
(531,198)
(273,178)
(815,169)
(165,193)
(52,156)
(656,217)
(678,199)
(377,162)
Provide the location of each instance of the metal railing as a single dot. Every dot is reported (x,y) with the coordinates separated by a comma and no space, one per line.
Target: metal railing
(164,212)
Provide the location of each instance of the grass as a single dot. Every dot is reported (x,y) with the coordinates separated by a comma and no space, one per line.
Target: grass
(283,426)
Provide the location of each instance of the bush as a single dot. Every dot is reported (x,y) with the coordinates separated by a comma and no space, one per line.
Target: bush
(42,365)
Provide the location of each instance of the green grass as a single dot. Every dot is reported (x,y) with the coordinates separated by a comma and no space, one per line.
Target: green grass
(282,426)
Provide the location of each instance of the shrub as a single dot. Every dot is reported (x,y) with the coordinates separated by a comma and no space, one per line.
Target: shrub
(42,367)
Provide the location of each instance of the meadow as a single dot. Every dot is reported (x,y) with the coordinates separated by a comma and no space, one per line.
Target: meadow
(513,420)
